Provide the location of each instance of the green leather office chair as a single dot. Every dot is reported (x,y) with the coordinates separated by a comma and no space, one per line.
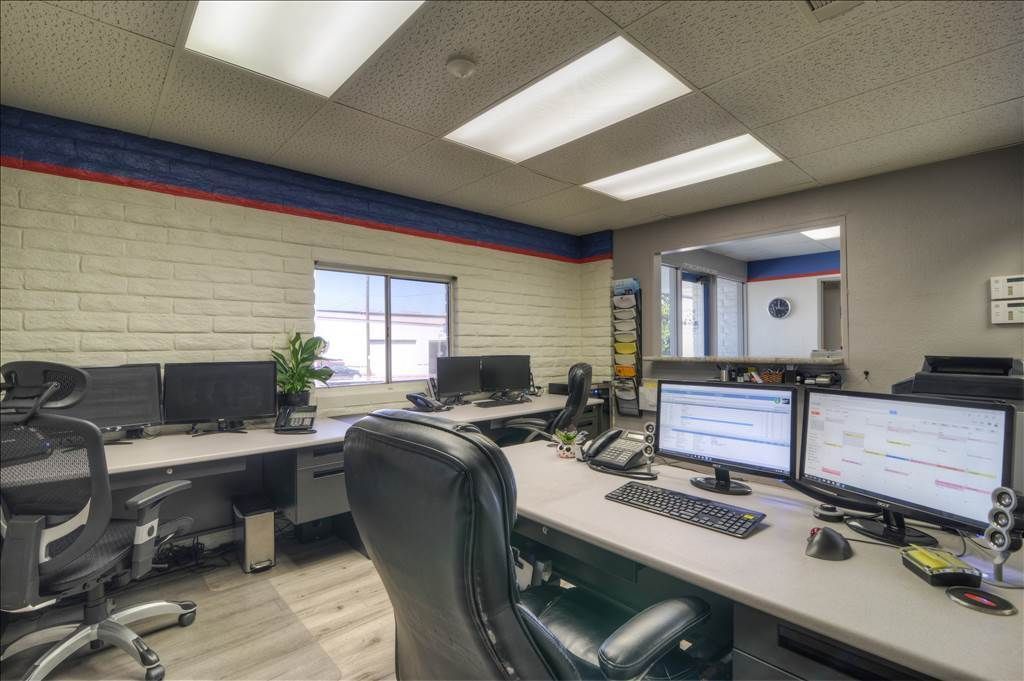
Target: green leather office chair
(59,540)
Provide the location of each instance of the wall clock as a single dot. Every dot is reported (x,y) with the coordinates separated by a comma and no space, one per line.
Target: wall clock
(780,307)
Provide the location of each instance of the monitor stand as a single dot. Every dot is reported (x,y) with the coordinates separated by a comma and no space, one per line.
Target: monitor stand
(223,426)
(130,434)
(720,483)
(457,401)
(891,529)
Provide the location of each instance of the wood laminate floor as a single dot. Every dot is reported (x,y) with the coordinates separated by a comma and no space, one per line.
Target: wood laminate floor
(321,613)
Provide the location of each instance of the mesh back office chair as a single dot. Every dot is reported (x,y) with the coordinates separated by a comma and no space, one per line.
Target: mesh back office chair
(519,430)
(59,540)
(435,503)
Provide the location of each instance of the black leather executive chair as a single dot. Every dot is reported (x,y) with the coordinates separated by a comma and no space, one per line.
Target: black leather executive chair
(60,544)
(525,429)
(435,503)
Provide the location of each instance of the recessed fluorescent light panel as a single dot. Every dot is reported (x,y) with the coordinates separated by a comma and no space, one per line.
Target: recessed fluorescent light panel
(602,87)
(312,45)
(724,158)
(823,233)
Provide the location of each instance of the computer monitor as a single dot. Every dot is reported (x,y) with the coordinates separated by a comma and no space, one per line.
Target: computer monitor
(504,372)
(225,392)
(457,376)
(929,458)
(123,397)
(744,428)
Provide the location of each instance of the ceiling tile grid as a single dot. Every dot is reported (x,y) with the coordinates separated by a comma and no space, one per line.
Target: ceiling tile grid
(981,81)
(69,65)
(888,48)
(512,43)
(996,126)
(625,12)
(150,18)
(223,108)
(342,143)
(515,184)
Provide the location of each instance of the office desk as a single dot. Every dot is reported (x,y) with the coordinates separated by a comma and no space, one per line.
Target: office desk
(180,449)
(870,602)
(537,405)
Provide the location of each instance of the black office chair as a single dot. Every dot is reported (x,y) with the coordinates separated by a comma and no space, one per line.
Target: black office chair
(525,429)
(435,503)
(59,541)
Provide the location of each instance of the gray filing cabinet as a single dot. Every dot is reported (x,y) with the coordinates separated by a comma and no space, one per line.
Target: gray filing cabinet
(308,484)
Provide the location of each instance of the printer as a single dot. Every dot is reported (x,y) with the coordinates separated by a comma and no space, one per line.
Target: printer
(986,378)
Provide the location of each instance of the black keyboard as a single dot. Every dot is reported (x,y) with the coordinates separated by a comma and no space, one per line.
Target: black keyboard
(732,520)
(498,403)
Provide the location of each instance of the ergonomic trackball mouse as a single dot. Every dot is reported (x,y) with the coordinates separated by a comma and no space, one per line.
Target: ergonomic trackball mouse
(827,544)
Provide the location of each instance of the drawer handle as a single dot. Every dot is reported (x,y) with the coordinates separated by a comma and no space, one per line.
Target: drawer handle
(325,474)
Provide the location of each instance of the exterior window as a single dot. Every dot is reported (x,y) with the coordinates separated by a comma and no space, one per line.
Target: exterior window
(729,311)
(381,328)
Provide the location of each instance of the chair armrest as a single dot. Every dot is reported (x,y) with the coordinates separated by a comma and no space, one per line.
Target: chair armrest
(154,495)
(19,562)
(632,648)
(528,423)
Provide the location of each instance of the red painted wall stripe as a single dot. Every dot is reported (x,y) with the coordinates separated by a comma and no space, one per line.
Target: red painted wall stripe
(822,273)
(175,190)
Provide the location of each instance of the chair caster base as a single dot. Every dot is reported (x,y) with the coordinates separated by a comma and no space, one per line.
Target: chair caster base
(187,619)
(155,673)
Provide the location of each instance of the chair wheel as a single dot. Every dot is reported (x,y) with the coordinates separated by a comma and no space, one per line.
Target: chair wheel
(187,618)
(155,673)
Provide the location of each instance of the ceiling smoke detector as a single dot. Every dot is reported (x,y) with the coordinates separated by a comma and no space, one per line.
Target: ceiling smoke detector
(461,67)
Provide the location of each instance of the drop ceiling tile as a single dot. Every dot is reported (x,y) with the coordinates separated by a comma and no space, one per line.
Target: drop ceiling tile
(437,168)
(708,41)
(971,84)
(346,144)
(675,127)
(512,185)
(778,178)
(624,214)
(216,106)
(967,133)
(625,12)
(512,43)
(68,65)
(561,204)
(907,41)
(149,18)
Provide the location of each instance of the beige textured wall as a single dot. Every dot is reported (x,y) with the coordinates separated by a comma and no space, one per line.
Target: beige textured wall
(95,274)
(921,245)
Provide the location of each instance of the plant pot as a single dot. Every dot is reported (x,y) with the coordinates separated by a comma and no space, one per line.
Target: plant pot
(572,451)
(293,399)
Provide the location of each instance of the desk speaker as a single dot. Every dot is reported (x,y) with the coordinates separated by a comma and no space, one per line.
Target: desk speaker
(1005,520)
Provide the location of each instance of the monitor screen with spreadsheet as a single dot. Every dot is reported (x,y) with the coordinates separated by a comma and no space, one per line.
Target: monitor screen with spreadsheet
(740,427)
(936,459)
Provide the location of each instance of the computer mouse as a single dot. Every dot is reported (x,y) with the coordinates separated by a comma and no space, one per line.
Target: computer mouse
(827,544)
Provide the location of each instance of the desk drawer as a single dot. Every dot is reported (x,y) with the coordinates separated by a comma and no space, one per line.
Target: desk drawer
(333,453)
(320,492)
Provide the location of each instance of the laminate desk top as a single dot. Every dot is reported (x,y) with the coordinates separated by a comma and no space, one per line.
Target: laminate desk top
(179,449)
(870,601)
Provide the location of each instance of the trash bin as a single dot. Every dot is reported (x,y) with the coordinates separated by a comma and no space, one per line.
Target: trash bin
(254,532)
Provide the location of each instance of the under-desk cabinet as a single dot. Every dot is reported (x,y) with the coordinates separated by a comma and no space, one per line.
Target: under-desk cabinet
(308,484)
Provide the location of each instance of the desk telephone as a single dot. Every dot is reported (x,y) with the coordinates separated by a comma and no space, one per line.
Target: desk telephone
(619,451)
(424,402)
(295,420)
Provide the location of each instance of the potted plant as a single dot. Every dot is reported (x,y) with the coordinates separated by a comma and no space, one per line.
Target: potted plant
(570,443)
(297,370)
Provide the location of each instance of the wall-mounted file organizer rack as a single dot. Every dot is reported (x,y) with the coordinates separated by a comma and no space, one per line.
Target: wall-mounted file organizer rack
(626,344)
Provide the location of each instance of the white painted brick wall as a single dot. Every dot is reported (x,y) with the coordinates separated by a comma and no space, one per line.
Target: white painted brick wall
(96,274)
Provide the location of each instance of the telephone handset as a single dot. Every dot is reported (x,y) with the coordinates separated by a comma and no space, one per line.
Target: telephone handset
(619,450)
(425,403)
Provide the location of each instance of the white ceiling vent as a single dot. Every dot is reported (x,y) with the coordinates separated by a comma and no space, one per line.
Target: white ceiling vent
(823,10)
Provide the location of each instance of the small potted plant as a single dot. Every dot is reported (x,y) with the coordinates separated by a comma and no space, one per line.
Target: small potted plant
(297,370)
(570,443)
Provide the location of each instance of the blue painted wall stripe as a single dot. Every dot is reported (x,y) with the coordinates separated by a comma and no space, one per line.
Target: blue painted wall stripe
(46,139)
(793,266)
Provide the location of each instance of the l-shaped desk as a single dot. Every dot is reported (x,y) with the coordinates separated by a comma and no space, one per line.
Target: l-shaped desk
(870,602)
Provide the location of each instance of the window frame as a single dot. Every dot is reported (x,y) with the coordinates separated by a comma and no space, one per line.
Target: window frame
(388,275)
